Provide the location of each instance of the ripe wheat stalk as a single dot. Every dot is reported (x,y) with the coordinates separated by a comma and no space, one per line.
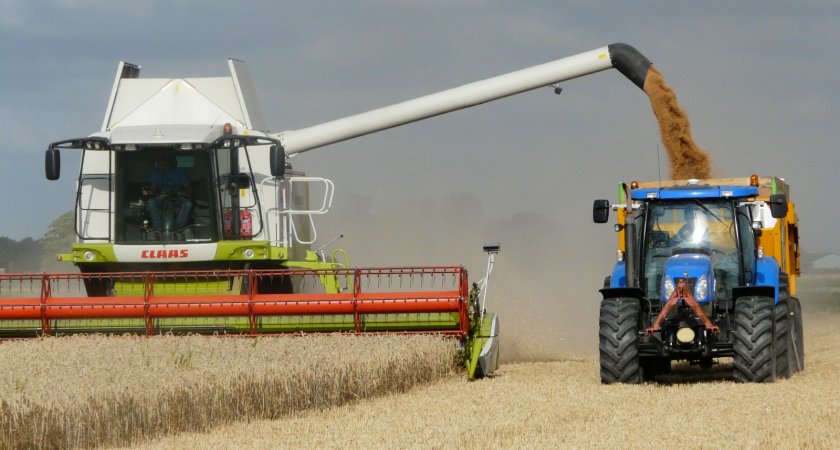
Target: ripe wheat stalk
(89,391)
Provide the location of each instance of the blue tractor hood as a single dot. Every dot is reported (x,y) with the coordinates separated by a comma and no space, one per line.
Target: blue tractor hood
(694,266)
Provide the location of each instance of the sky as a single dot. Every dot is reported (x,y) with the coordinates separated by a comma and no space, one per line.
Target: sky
(758,80)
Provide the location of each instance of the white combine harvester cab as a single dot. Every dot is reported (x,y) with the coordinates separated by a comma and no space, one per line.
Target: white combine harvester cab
(182,164)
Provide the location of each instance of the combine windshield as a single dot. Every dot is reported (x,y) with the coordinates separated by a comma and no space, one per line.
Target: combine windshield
(165,196)
(694,226)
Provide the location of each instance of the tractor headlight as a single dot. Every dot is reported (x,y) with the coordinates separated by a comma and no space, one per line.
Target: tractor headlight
(701,289)
(667,286)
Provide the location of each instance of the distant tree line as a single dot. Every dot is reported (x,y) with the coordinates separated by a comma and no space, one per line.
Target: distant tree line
(31,255)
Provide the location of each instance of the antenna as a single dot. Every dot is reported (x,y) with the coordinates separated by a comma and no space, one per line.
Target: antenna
(658,166)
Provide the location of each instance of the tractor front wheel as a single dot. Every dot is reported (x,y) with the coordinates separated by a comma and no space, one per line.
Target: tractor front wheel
(618,339)
(754,359)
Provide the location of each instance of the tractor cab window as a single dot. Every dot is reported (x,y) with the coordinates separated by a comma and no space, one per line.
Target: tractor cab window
(163,196)
(694,226)
(748,243)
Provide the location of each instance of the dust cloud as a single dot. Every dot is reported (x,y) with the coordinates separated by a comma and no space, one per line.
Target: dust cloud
(687,159)
(546,298)
(545,284)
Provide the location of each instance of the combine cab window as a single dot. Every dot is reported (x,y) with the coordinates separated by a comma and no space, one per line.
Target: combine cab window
(240,214)
(706,227)
(164,196)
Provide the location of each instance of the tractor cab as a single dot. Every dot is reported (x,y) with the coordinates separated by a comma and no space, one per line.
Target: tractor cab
(711,237)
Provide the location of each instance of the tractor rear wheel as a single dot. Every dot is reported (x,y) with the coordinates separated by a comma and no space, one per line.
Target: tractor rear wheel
(618,339)
(782,340)
(754,359)
(797,359)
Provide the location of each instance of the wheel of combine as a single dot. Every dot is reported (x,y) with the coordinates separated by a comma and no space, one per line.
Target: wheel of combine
(754,359)
(782,342)
(618,336)
(797,359)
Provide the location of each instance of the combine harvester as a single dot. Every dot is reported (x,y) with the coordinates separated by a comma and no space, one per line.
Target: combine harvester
(190,219)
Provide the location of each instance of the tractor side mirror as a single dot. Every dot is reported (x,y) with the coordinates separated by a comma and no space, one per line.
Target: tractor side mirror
(241,180)
(277,161)
(52,164)
(778,206)
(601,211)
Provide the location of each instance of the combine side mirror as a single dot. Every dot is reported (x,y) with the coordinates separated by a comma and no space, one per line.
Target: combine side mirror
(277,161)
(778,206)
(601,211)
(52,164)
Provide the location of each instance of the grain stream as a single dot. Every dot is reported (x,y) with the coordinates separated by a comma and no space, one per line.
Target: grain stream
(687,159)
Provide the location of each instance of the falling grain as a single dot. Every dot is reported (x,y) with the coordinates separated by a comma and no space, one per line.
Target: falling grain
(687,159)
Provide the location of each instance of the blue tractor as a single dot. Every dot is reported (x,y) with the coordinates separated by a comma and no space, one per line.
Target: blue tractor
(693,280)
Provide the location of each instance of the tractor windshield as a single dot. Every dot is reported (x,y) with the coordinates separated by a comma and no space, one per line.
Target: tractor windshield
(691,226)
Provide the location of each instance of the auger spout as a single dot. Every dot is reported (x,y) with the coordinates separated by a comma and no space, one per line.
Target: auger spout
(623,57)
(632,64)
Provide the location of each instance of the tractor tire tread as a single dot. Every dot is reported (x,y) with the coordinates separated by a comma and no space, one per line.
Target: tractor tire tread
(618,339)
(753,359)
(782,344)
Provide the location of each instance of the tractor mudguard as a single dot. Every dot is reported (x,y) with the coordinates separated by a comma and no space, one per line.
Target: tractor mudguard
(767,274)
(615,292)
(619,276)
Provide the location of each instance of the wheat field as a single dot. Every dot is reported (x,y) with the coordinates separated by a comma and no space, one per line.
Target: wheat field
(561,404)
(87,391)
(390,392)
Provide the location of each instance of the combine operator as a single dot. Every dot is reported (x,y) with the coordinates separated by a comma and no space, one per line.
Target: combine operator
(168,196)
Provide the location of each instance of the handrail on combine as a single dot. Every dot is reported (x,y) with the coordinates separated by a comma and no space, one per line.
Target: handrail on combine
(398,299)
(285,191)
